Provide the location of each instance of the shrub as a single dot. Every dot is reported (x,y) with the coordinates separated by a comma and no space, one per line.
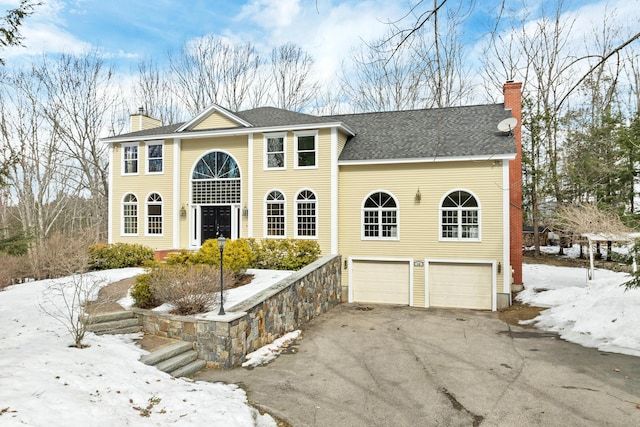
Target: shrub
(237,255)
(14,269)
(183,257)
(141,292)
(190,289)
(284,254)
(58,255)
(118,255)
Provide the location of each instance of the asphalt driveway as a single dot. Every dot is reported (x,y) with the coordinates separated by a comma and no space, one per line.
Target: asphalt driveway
(401,366)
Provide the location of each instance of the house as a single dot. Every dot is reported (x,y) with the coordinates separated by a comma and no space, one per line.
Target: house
(419,203)
(528,234)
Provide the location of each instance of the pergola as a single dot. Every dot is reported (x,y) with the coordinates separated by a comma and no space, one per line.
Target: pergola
(594,238)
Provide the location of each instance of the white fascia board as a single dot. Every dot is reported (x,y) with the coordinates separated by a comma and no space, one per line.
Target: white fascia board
(197,119)
(506,230)
(427,160)
(226,132)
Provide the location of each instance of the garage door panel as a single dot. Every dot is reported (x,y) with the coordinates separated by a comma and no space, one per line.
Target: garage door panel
(380,282)
(460,285)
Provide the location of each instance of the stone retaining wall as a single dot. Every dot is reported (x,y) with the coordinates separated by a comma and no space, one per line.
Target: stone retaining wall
(224,341)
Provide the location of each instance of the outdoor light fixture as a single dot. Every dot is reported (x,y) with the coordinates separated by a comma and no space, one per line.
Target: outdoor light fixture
(499,267)
(245,211)
(221,243)
(183,212)
(418,196)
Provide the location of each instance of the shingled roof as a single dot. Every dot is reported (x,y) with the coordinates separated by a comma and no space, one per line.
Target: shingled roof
(434,133)
(395,135)
(271,116)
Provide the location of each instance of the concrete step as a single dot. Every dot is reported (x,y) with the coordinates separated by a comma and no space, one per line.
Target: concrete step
(127,330)
(190,369)
(178,361)
(166,352)
(110,317)
(114,324)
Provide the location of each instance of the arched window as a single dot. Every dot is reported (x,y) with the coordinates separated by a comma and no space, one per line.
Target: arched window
(154,214)
(306,214)
(216,180)
(460,217)
(380,217)
(274,214)
(130,214)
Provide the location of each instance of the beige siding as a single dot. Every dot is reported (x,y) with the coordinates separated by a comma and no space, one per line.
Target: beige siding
(215,121)
(419,221)
(142,185)
(342,141)
(192,151)
(142,122)
(290,181)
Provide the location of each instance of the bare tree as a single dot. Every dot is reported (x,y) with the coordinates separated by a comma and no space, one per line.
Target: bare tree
(294,87)
(40,177)
(80,95)
(154,93)
(211,70)
(424,70)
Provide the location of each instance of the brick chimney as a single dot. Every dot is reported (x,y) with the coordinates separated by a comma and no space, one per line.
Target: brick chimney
(140,121)
(513,101)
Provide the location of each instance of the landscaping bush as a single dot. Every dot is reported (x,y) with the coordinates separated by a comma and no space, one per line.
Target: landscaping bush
(118,255)
(283,254)
(190,289)
(141,292)
(237,255)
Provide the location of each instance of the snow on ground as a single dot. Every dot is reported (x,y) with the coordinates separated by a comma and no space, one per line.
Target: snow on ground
(597,313)
(266,354)
(44,382)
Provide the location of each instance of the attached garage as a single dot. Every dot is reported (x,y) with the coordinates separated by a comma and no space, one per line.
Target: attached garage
(380,281)
(460,284)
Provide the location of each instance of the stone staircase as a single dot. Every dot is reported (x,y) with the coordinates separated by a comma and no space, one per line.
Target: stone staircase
(117,322)
(178,360)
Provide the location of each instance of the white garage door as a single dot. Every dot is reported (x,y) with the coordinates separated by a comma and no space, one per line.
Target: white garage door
(461,285)
(380,282)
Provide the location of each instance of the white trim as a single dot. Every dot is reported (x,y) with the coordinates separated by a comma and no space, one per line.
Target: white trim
(147,144)
(381,259)
(264,215)
(176,193)
(146,215)
(459,238)
(122,233)
(233,132)
(297,135)
(110,196)
(122,158)
(265,158)
(506,219)
(207,112)
(493,264)
(334,190)
(438,159)
(380,238)
(249,202)
(295,214)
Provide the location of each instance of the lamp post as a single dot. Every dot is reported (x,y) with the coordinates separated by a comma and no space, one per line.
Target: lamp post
(221,242)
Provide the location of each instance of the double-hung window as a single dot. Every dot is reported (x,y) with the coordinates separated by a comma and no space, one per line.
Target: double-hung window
(130,214)
(274,213)
(275,150)
(130,159)
(154,214)
(380,217)
(154,157)
(460,217)
(306,148)
(306,215)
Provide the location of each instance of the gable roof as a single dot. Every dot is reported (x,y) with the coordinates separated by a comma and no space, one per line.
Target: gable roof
(452,132)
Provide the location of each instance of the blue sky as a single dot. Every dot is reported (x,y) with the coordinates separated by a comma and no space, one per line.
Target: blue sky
(127,31)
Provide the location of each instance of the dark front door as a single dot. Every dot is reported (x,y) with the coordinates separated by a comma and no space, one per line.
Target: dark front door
(215,220)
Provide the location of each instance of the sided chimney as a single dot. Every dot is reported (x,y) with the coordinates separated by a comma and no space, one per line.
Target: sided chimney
(140,121)
(513,101)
